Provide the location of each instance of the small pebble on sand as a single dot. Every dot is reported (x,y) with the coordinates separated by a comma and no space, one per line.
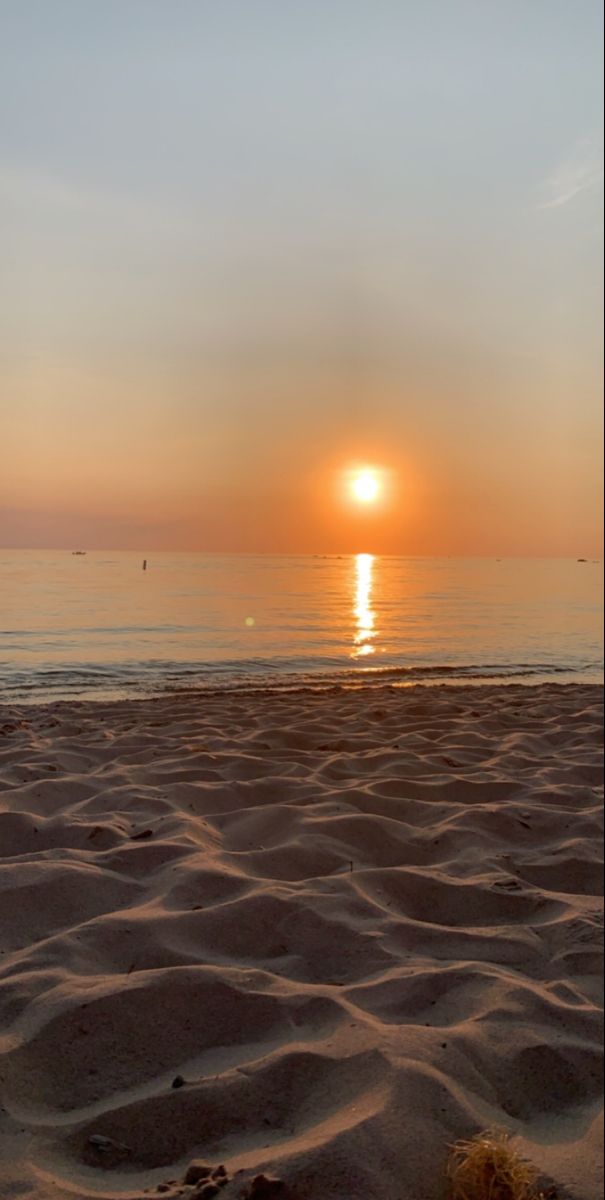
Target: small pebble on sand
(197,1171)
(264,1188)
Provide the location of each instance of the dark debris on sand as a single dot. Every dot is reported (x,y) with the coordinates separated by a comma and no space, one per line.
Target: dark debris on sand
(202,1181)
(264,1188)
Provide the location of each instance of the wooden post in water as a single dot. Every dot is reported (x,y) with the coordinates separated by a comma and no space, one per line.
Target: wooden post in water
(144,564)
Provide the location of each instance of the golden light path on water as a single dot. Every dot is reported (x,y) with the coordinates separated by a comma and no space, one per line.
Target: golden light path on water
(365,618)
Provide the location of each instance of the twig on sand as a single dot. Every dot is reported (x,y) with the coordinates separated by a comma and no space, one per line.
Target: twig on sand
(102,1143)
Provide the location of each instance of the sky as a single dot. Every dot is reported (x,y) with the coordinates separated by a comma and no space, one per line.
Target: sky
(246,246)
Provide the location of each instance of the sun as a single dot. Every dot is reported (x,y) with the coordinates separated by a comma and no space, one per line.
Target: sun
(366,486)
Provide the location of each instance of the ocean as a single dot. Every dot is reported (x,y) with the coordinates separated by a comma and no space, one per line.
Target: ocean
(97,625)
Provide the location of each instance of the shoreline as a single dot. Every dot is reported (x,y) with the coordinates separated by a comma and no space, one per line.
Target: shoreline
(357,923)
(307,688)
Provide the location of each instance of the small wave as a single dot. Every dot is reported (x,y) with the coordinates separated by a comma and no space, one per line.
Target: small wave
(157,677)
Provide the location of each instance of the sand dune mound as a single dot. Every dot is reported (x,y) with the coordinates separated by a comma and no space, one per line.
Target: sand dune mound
(304,941)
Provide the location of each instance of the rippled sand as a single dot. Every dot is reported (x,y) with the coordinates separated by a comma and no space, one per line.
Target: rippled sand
(351,927)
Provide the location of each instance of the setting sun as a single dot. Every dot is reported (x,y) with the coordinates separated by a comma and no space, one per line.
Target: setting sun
(366,486)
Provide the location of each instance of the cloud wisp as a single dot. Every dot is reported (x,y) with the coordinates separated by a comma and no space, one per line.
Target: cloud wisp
(577,175)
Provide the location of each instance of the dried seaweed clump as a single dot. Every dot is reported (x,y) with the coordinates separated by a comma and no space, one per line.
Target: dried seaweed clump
(487,1168)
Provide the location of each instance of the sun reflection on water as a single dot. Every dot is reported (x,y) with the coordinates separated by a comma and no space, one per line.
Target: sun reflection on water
(364,615)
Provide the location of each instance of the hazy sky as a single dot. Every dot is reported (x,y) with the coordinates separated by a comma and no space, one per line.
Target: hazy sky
(247,243)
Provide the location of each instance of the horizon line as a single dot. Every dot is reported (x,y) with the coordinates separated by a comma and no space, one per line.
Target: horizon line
(588,558)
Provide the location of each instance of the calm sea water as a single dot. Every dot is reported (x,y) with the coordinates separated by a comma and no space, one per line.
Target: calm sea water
(97,625)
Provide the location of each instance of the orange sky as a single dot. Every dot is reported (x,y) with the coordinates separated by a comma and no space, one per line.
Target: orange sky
(266,255)
(483,479)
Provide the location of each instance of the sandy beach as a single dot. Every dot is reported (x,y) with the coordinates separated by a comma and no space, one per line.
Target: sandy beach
(313,936)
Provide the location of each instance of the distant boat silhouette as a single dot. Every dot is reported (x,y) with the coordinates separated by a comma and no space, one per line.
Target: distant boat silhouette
(78,552)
